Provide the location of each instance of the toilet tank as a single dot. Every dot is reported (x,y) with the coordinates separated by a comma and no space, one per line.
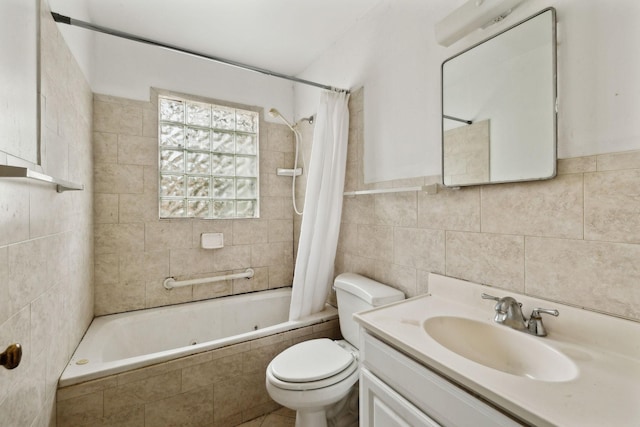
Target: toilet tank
(357,293)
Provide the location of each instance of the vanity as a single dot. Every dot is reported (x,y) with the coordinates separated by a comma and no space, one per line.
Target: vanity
(442,360)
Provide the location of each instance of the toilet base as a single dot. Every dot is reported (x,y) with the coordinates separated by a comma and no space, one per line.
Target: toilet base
(311,418)
(343,413)
(326,410)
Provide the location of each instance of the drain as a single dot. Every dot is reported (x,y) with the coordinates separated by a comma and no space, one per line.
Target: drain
(255,327)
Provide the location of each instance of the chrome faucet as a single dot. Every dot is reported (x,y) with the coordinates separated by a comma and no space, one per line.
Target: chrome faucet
(509,313)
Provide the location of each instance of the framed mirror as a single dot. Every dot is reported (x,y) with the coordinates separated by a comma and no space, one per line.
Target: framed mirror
(499,119)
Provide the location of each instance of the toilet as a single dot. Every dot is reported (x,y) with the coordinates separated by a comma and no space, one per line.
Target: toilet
(315,375)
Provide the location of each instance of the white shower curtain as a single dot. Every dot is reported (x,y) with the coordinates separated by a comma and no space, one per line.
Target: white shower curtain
(313,273)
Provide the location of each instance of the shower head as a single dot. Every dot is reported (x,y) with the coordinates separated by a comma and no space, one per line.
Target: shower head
(276,114)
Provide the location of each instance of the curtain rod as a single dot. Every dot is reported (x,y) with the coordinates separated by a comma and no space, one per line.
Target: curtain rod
(88,26)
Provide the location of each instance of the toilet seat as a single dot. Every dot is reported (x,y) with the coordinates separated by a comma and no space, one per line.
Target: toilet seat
(311,365)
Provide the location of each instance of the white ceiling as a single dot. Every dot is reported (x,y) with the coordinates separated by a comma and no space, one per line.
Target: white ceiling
(280,35)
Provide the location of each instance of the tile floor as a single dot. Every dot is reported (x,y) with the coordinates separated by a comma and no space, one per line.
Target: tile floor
(283,417)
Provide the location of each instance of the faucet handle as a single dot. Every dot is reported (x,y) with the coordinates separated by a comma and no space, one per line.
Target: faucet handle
(535,325)
(536,312)
(500,301)
(487,296)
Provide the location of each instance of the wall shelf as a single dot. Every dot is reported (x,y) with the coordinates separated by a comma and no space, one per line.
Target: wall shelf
(21,172)
(429,189)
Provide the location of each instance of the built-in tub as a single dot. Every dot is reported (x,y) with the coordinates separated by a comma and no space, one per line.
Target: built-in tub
(121,342)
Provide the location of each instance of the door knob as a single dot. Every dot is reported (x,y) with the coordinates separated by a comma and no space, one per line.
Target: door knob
(11,357)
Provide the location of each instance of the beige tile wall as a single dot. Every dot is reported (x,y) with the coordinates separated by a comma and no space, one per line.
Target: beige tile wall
(135,251)
(46,243)
(466,153)
(223,387)
(574,239)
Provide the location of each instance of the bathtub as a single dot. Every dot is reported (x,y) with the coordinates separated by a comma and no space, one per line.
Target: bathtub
(121,342)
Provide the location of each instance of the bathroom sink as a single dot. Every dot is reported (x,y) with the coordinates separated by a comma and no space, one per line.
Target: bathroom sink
(501,348)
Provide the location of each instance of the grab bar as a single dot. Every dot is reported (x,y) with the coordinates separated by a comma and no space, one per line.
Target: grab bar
(170,282)
(20,172)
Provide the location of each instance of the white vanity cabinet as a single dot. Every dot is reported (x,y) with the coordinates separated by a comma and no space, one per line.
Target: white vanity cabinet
(381,406)
(395,391)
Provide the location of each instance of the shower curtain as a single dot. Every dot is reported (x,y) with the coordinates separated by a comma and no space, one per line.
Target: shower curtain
(313,273)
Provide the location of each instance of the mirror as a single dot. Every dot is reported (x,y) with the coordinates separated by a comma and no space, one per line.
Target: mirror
(19,108)
(499,107)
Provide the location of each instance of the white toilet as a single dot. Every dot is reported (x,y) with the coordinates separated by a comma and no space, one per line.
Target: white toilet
(314,375)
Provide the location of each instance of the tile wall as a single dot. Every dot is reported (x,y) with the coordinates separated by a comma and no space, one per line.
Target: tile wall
(573,239)
(223,387)
(135,251)
(46,243)
(466,153)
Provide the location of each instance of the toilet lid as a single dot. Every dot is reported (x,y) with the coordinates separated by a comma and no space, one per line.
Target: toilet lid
(311,361)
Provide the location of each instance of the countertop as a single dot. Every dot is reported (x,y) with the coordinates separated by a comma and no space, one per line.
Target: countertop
(605,349)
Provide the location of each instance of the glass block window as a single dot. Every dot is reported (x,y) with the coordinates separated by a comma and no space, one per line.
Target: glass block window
(208,160)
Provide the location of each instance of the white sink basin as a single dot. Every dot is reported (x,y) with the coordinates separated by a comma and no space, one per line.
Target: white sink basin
(501,348)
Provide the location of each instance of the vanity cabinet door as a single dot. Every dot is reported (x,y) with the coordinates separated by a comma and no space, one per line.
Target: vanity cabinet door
(427,391)
(380,406)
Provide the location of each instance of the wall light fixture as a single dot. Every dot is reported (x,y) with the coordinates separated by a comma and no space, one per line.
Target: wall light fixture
(470,16)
